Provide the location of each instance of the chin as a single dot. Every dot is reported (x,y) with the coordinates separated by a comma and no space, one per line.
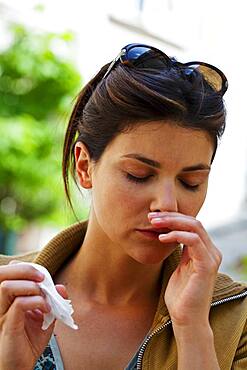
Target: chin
(150,256)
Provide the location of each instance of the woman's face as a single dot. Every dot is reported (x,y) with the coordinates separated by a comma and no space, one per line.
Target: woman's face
(153,167)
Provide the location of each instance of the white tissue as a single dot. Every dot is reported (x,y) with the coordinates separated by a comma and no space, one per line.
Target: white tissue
(61,308)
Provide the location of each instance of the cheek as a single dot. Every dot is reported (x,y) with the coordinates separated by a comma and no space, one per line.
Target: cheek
(116,207)
(129,197)
(108,197)
(119,197)
(193,205)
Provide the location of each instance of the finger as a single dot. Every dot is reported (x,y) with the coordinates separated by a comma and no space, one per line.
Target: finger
(62,290)
(152,215)
(15,318)
(10,289)
(197,249)
(21,271)
(181,222)
(178,221)
(35,315)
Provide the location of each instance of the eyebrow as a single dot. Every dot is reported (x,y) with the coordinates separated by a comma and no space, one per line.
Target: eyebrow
(151,162)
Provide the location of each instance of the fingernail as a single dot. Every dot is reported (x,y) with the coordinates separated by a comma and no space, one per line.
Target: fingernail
(153,214)
(40,276)
(156,220)
(162,236)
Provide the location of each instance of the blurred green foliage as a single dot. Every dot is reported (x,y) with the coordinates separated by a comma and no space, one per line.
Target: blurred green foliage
(242,267)
(30,167)
(37,87)
(33,79)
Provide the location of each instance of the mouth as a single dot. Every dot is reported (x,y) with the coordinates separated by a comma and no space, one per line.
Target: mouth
(152,233)
(157,231)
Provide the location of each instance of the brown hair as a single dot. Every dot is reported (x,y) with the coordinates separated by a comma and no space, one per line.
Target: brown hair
(108,106)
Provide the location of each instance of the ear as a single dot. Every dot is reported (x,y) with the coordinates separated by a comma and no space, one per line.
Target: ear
(83,165)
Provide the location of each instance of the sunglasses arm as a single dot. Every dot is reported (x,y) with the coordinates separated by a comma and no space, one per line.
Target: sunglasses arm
(122,52)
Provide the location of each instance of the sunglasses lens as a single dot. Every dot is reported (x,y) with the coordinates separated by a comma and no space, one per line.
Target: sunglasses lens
(212,76)
(146,57)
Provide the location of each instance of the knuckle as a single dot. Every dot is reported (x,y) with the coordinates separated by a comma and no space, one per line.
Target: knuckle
(213,265)
(19,302)
(197,224)
(175,234)
(219,257)
(195,238)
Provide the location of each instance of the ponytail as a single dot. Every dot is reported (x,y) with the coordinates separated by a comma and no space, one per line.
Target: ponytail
(72,132)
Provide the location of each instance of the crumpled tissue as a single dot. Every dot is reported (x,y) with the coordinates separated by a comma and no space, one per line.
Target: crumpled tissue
(61,308)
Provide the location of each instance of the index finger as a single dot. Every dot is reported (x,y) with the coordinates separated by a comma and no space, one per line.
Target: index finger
(161,214)
(16,271)
(179,221)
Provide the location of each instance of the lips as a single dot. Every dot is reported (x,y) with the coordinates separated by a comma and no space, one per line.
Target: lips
(152,234)
(156,231)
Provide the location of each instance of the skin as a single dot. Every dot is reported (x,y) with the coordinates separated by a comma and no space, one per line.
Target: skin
(22,306)
(169,197)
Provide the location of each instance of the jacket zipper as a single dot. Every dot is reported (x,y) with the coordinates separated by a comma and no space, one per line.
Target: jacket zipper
(157,331)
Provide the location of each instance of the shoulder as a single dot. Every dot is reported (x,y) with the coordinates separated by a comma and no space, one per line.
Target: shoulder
(26,257)
(228,317)
(229,305)
(225,287)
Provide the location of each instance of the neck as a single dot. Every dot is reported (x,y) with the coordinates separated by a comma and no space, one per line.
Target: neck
(102,273)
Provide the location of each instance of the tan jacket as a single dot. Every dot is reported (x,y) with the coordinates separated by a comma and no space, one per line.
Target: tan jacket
(228,315)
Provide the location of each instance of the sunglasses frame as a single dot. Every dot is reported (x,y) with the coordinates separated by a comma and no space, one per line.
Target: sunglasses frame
(123,58)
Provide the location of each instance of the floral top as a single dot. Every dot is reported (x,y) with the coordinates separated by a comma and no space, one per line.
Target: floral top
(51,358)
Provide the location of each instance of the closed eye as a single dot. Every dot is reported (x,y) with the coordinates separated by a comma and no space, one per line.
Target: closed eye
(136,179)
(189,186)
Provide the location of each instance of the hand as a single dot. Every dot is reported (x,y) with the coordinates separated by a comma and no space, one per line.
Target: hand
(189,291)
(22,305)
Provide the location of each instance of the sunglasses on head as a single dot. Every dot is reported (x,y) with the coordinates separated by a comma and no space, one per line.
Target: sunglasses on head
(144,56)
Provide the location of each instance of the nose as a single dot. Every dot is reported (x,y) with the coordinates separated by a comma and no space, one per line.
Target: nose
(165,198)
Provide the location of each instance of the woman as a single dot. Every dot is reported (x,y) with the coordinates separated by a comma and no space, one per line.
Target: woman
(142,272)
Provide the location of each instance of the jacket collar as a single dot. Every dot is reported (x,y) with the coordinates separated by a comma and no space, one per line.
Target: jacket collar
(68,242)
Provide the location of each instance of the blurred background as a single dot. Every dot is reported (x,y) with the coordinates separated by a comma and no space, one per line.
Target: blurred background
(49,49)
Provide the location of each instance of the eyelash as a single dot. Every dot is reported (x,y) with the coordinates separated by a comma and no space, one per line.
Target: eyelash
(137,180)
(190,187)
(141,180)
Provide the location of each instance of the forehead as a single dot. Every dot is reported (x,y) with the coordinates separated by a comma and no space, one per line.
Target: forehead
(164,142)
